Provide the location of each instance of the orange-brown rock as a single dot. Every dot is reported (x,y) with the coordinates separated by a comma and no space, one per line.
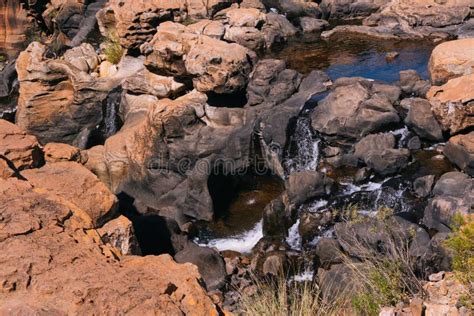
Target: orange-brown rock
(50,265)
(17,149)
(13,26)
(452,59)
(119,233)
(56,152)
(135,22)
(78,185)
(460,150)
(453,103)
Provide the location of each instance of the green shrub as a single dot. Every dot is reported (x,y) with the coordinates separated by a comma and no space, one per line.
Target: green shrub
(113,50)
(461,245)
(2,59)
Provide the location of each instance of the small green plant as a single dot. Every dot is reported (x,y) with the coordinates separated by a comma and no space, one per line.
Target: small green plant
(188,21)
(2,59)
(461,245)
(113,50)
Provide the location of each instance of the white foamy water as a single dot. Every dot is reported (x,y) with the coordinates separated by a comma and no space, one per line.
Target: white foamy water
(370,186)
(294,238)
(305,276)
(242,243)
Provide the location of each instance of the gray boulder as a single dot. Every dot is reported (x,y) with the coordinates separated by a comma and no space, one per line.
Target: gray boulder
(420,118)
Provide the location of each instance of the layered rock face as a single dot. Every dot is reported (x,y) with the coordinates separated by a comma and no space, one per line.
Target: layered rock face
(13,25)
(71,260)
(135,22)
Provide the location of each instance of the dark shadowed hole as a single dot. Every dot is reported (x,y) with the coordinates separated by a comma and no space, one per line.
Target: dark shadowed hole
(234,100)
(152,231)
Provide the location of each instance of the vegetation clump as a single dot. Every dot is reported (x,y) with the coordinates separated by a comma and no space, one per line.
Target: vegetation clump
(112,49)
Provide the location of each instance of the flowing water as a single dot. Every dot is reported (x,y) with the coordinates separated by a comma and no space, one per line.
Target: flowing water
(346,56)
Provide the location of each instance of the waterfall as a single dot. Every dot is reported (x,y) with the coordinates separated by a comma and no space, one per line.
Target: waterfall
(112,104)
(303,147)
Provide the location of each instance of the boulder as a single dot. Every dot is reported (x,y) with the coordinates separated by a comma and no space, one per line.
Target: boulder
(453,104)
(18,150)
(451,60)
(328,252)
(423,185)
(211,28)
(56,152)
(73,182)
(460,151)
(452,194)
(466,30)
(347,9)
(214,65)
(276,218)
(379,153)
(119,233)
(270,82)
(412,84)
(53,264)
(241,17)
(277,30)
(312,224)
(420,118)
(356,107)
(305,185)
(269,257)
(248,37)
(83,57)
(340,280)
(308,24)
(57,101)
(209,262)
(146,82)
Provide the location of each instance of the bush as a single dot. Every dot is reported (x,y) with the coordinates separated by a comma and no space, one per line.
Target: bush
(461,245)
(113,50)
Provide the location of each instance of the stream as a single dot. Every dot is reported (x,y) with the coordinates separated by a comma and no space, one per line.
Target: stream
(241,227)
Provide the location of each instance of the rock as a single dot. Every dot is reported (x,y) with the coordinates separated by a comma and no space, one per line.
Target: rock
(460,151)
(294,8)
(270,82)
(413,19)
(356,107)
(148,83)
(276,218)
(452,194)
(209,262)
(269,257)
(277,30)
(309,24)
(135,23)
(13,26)
(211,28)
(379,153)
(453,104)
(107,69)
(56,152)
(466,30)
(17,149)
(328,252)
(83,57)
(248,37)
(78,185)
(444,296)
(412,85)
(423,185)
(214,65)
(313,223)
(241,17)
(350,8)
(65,17)
(305,185)
(414,143)
(421,119)
(57,101)
(339,281)
(451,60)
(391,56)
(256,4)
(119,233)
(51,261)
